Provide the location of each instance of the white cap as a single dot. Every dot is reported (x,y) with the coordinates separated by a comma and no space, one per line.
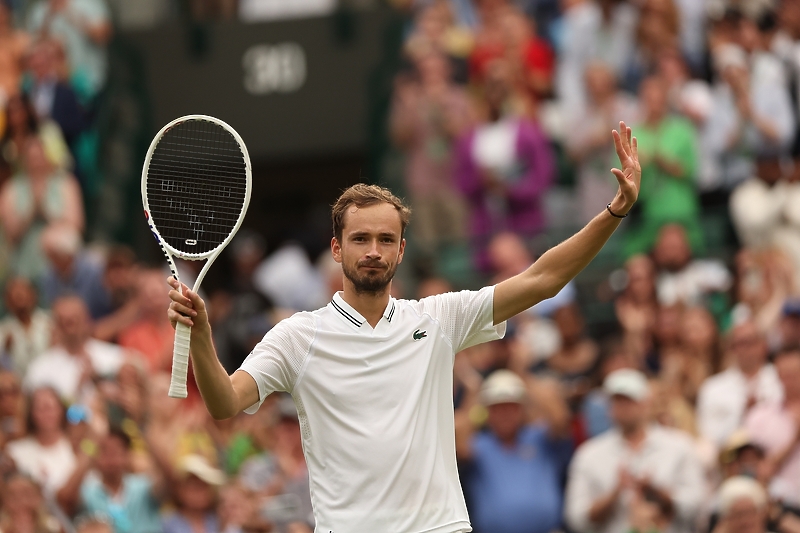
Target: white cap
(627,382)
(199,466)
(740,488)
(503,386)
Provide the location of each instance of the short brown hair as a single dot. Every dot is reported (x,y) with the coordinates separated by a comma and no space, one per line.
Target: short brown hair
(362,195)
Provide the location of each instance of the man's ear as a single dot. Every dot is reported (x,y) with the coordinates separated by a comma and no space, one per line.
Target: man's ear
(336,250)
(402,251)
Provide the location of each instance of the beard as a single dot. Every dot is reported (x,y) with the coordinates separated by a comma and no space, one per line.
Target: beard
(372,282)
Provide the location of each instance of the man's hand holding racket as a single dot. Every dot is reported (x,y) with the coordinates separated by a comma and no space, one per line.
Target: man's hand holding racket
(187,308)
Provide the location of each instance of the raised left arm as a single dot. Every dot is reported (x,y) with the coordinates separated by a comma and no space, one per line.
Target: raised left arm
(560,264)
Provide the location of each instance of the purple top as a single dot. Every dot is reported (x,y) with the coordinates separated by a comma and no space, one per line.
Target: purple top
(520,209)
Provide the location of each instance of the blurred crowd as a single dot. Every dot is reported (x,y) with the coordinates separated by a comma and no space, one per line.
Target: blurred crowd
(680,413)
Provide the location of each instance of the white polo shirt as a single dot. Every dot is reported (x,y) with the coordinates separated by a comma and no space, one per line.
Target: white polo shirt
(376,408)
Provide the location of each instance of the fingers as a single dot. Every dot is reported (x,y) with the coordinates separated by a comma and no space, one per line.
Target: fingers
(182,309)
(619,147)
(635,149)
(175,316)
(623,181)
(194,298)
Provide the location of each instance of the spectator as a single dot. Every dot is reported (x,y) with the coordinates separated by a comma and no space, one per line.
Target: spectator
(21,124)
(436,31)
(667,151)
(726,398)
(52,98)
(151,335)
(282,472)
(763,282)
(105,486)
(195,496)
(75,364)
(26,332)
(788,331)
(762,210)
(503,167)
(427,116)
(515,469)
(12,408)
(636,308)
(776,428)
(84,28)
(45,453)
(24,508)
(593,31)
(93,524)
(29,202)
(682,279)
(588,143)
(634,468)
(119,281)
(13,44)
(575,362)
(71,271)
(752,114)
(743,506)
(658,30)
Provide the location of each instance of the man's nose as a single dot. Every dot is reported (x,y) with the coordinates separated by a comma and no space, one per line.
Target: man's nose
(373,251)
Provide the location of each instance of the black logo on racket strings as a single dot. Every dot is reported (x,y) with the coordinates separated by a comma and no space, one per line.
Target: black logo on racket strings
(417,335)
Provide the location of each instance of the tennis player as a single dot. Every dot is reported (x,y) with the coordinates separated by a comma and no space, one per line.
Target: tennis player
(372,377)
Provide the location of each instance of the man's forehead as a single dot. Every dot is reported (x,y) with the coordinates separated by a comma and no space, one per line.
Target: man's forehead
(382,215)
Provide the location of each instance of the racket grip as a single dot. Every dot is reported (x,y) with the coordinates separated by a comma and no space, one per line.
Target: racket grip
(180,361)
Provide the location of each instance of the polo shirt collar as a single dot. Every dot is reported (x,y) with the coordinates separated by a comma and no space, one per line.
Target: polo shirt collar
(353,316)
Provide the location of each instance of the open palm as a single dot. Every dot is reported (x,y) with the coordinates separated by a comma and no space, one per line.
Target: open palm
(630,175)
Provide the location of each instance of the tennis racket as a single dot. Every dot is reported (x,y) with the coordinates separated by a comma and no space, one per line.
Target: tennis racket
(196,183)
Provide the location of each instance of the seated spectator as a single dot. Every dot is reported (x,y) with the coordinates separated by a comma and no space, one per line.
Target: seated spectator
(13,44)
(21,124)
(31,201)
(52,98)
(682,279)
(428,115)
(151,335)
(752,113)
(762,210)
(725,399)
(195,497)
(697,356)
(514,469)
(84,28)
(776,428)
(612,474)
(743,506)
(71,271)
(45,453)
(26,332)
(668,156)
(12,408)
(105,485)
(788,333)
(74,365)
(24,508)
(436,30)
(588,143)
(503,167)
(763,283)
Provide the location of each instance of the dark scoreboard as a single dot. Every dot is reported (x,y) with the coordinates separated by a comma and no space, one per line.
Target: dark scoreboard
(290,88)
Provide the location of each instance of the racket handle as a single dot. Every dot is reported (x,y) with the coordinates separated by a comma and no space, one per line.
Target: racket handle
(180,361)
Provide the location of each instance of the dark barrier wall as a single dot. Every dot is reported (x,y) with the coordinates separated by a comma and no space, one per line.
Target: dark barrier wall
(290,88)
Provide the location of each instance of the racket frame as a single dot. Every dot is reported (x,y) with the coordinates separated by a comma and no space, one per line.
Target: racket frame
(175,389)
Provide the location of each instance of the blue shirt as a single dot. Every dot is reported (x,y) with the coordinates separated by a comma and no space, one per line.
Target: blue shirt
(519,489)
(85,280)
(134,510)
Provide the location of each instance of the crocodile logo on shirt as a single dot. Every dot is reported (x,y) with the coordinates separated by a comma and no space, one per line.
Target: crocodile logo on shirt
(419,335)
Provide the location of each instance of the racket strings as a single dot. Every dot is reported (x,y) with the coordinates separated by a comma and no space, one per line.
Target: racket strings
(196,185)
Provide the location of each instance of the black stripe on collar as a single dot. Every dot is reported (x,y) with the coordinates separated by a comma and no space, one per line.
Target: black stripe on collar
(391,313)
(345,314)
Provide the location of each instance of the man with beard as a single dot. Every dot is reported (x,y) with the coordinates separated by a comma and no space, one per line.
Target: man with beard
(372,376)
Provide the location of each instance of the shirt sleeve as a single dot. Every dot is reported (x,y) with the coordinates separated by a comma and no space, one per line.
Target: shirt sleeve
(276,361)
(466,317)
(579,495)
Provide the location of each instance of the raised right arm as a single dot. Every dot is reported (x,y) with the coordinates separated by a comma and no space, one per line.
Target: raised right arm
(225,396)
